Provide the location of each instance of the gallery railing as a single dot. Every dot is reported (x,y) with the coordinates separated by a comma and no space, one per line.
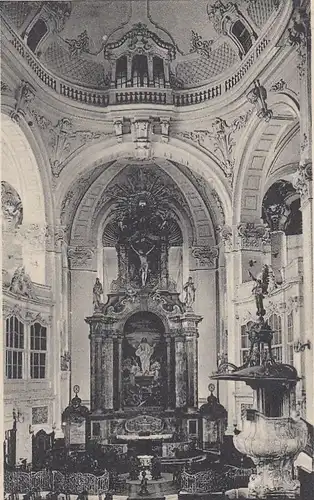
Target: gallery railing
(74,483)
(163,96)
(215,480)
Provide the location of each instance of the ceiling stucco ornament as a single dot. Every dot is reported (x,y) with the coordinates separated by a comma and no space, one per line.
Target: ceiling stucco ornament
(25,94)
(78,45)
(216,13)
(200,46)
(279,86)
(73,197)
(302,179)
(205,256)
(33,234)
(63,140)
(220,139)
(59,12)
(299,36)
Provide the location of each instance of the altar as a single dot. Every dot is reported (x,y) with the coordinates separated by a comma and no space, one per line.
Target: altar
(144,338)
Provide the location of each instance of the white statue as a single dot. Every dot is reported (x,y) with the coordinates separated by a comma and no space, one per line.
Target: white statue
(143,263)
(189,293)
(144,352)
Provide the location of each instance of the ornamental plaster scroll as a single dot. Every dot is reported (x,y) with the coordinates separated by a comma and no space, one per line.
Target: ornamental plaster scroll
(25,315)
(25,94)
(81,257)
(12,207)
(220,138)
(205,256)
(4,87)
(298,35)
(63,140)
(302,180)
(226,236)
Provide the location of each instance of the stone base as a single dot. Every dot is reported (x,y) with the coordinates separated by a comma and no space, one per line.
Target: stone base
(150,497)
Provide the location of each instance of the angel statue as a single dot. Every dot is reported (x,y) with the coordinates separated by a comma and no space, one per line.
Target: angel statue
(97,293)
(143,262)
(260,288)
(189,293)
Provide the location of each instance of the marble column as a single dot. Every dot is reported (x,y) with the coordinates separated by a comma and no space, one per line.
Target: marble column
(169,374)
(304,185)
(107,373)
(98,383)
(120,388)
(82,278)
(180,372)
(150,70)
(129,82)
(164,273)
(192,370)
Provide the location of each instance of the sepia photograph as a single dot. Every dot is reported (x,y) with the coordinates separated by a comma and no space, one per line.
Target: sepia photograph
(157,250)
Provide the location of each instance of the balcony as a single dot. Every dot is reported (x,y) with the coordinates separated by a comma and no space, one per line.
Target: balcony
(263,49)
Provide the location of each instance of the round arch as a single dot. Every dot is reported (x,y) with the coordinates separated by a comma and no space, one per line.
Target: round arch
(263,142)
(109,149)
(21,169)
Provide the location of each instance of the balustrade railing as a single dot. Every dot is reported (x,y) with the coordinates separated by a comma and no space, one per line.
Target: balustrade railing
(213,480)
(73,483)
(150,95)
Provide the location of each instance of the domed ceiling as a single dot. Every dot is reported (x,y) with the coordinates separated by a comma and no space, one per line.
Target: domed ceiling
(76,52)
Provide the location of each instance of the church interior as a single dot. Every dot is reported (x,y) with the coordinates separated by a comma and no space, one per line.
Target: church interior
(157,249)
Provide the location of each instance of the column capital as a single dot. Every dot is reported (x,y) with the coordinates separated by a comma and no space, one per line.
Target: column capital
(302,180)
(82,258)
(245,236)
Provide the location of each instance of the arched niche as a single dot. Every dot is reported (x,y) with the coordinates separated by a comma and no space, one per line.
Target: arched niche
(21,171)
(144,361)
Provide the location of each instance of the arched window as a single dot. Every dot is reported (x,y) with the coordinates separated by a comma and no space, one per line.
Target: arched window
(275,324)
(158,72)
(38,351)
(139,71)
(14,348)
(290,336)
(36,34)
(241,33)
(245,343)
(121,72)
